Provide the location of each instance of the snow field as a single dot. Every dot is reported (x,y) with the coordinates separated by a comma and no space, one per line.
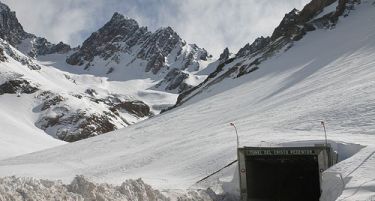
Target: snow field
(327,76)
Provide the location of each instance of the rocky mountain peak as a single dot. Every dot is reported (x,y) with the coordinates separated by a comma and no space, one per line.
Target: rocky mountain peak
(117,28)
(102,42)
(3,7)
(12,31)
(224,55)
(121,35)
(123,23)
(121,42)
(10,28)
(159,44)
(296,23)
(166,30)
(117,17)
(257,45)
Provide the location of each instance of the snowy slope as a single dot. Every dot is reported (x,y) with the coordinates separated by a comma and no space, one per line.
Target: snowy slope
(18,133)
(327,75)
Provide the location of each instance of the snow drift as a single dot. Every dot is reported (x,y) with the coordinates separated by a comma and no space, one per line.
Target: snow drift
(13,188)
(81,189)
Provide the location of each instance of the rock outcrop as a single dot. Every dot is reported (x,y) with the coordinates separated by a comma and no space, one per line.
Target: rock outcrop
(60,118)
(10,29)
(18,86)
(257,45)
(224,55)
(12,32)
(296,23)
(18,56)
(135,107)
(44,47)
(174,80)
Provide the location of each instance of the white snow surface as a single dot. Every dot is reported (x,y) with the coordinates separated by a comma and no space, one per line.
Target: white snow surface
(328,76)
(18,133)
(80,189)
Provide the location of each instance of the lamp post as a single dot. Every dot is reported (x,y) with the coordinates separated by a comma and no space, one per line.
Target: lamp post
(238,154)
(235,128)
(325,132)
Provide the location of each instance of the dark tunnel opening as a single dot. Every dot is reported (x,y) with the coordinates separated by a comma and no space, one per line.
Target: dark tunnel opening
(283,178)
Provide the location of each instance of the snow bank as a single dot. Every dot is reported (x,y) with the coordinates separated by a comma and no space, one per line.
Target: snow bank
(14,188)
(351,179)
(80,189)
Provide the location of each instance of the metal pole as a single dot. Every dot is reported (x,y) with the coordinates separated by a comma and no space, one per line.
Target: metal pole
(325,132)
(238,154)
(235,128)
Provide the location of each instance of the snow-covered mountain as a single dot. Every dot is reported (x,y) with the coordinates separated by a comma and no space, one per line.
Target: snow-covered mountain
(120,75)
(319,14)
(319,65)
(66,106)
(121,44)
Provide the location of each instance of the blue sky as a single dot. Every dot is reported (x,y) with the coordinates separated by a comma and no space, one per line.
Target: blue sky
(212,24)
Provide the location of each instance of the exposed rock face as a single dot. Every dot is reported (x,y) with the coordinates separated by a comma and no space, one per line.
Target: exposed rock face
(156,51)
(12,32)
(225,55)
(51,101)
(117,105)
(257,45)
(91,92)
(43,47)
(10,29)
(157,47)
(70,126)
(16,55)
(293,27)
(175,80)
(135,107)
(60,118)
(103,42)
(3,58)
(296,23)
(18,86)
(87,126)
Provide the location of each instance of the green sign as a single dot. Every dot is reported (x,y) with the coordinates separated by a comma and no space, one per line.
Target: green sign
(262,152)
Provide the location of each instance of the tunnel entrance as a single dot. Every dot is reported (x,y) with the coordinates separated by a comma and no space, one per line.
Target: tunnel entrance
(283,178)
(282,174)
